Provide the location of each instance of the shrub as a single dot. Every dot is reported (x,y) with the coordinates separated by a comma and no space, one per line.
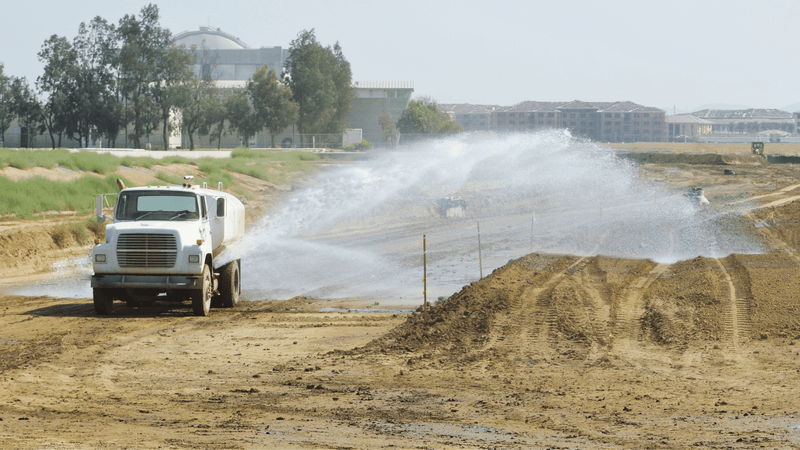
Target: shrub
(359,146)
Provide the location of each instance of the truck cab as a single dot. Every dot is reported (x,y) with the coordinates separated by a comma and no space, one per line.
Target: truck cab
(163,241)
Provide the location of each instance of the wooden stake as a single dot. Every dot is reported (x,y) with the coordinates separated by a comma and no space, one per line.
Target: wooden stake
(424,277)
(480,259)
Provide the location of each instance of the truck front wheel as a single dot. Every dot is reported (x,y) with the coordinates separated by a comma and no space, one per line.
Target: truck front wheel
(230,284)
(103,301)
(201,299)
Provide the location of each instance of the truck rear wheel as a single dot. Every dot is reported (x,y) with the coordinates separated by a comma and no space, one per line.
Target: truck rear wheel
(230,284)
(201,299)
(103,301)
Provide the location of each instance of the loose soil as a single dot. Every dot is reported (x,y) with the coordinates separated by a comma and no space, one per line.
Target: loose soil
(548,351)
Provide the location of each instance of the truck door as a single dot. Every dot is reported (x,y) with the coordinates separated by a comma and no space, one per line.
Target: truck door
(217,212)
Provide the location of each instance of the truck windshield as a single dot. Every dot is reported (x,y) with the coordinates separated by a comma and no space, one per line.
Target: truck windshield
(157,205)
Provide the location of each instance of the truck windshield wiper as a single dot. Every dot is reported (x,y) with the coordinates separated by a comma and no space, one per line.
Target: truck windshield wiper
(180,213)
(147,214)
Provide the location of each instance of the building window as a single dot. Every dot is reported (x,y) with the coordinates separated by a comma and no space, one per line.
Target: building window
(617,115)
(647,114)
(510,114)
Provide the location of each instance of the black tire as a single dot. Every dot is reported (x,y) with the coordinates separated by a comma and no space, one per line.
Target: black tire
(201,298)
(230,284)
(103,301)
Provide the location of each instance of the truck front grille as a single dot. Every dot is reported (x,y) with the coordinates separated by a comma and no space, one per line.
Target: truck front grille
(146,250)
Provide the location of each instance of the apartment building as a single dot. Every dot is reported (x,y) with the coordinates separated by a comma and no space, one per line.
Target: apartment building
(471,117)
(600,121)
(686,127)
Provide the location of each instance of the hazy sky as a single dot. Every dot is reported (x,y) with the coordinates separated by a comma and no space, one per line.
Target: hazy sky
(678,53)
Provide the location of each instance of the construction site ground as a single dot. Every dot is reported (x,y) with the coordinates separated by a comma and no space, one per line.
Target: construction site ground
(548,351)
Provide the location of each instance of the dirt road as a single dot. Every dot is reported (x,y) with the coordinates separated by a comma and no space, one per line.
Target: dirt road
(548,351)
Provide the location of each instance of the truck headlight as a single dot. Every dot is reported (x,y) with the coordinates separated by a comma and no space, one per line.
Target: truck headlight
(100,258)
(194,259)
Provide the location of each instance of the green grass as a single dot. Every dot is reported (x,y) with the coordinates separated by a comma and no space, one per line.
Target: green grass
(34,195)
(168,179)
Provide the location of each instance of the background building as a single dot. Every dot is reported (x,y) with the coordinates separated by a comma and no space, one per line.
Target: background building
(226,57)
(372,98)
(747,121)
(683,127)
(471,117)
(600,121)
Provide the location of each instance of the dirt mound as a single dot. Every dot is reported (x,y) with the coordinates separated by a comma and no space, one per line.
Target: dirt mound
(542,305)
(688,158)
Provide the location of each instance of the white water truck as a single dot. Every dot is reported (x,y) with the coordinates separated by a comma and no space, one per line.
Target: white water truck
(162,244)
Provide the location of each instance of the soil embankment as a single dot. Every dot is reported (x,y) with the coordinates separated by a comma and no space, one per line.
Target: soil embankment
(693,158)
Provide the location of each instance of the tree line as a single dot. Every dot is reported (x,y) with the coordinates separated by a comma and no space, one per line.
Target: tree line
(130,78)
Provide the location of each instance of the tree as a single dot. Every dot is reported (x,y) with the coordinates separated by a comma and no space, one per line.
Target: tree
(272,101)
(27,110)
(143,43)
(91,96)
(241,116)
(6,103)
(321,82)
(215,117)
(173,72)
(201,99)
(59,58)
(423,117)
(388,127)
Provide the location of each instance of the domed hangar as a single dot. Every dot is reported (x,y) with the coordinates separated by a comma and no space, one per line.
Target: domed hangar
(226,57)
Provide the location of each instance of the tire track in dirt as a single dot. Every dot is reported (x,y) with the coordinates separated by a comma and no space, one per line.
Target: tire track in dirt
(736,317)
(625,330)
(528,328)
(524,330)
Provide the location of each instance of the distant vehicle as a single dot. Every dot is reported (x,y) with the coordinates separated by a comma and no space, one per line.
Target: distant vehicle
(728,172)
(450,208)
(697,196)
(757,148)
(164,240)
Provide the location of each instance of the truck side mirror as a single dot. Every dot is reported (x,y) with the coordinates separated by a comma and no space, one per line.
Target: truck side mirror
(220,207)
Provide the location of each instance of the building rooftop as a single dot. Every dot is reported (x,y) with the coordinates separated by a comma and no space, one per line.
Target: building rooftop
(383,84)
(752,113)
(210,38)
(467,108)
(687,118)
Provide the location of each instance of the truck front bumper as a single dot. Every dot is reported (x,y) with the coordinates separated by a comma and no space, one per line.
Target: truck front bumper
(147,281)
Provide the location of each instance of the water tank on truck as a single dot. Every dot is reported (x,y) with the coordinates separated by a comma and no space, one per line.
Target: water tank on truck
(163,243)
